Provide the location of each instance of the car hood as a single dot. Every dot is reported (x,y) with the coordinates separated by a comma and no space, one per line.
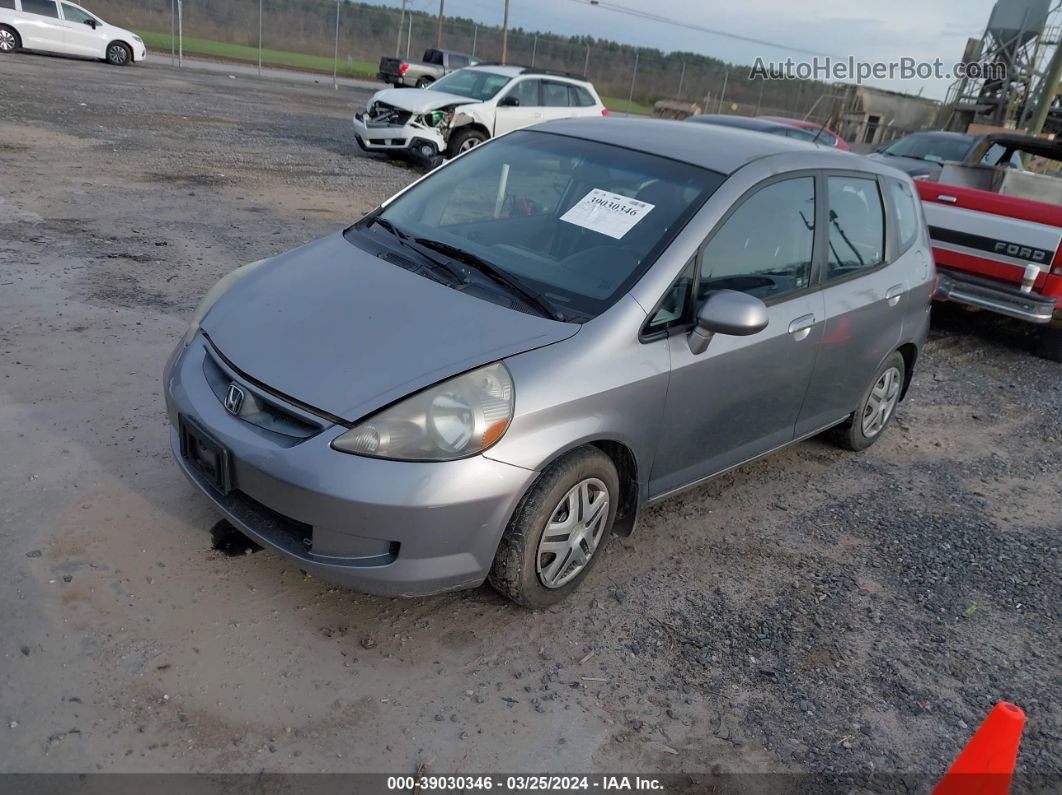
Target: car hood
(911,165)
(340,330)
(419,100)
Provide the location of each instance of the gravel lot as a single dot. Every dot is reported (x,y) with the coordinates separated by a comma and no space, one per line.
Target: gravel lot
(817,611)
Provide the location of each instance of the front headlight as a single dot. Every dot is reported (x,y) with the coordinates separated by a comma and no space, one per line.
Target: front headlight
(457,418)
(137,38)
(214,293)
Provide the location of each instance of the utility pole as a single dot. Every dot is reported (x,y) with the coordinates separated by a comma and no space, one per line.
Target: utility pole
(335,56)
(534,50)
(505,34)
(634,76)
(439,31)
(401,19)
(1048,92)
(586,63)
(173,32)
(180,35)
(259,38)
(722,94)
(475,32)
(409,33)
(682,79)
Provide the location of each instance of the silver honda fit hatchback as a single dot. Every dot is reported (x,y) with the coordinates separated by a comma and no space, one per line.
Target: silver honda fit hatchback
(495,370)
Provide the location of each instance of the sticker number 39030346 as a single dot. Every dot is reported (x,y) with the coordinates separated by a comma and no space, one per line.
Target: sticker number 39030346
(608,213)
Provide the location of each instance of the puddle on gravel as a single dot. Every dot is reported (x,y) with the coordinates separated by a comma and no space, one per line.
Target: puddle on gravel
(227,539)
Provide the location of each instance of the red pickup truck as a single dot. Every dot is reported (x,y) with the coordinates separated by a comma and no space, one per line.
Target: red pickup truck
(997,234)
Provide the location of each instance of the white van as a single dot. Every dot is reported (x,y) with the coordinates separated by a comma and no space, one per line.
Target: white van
(61,27)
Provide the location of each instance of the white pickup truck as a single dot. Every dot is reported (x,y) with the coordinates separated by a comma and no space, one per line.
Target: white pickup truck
(997,234)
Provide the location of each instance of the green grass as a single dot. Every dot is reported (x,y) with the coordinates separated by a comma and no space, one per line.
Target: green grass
(160,43)
(619,104)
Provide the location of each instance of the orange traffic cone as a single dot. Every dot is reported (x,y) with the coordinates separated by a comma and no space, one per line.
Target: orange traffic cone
(986,764)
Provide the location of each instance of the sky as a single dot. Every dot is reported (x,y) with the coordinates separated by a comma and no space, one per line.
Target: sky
(871,31)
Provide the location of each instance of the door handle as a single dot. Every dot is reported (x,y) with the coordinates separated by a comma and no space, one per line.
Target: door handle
(894,294)
(943,197)
(801,327)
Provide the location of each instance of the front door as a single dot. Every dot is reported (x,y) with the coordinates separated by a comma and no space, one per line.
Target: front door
(81,37)
(40,27)
(741,397)
(529,110)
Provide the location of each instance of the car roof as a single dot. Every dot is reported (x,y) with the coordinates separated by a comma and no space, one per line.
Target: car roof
(942,135)
(744,122)
(714,147)
(804,124)
(516,71)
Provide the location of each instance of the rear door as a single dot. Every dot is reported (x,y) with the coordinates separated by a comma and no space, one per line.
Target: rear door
(41,27)
(865,290)
(741,397)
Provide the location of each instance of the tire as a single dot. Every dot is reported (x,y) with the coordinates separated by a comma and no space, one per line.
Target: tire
(1049,346)
(119,54)
(531,575)
(464,139)
(9,40)
(424,82)
(876,409)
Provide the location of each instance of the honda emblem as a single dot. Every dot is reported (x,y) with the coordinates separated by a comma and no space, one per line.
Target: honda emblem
(234,399)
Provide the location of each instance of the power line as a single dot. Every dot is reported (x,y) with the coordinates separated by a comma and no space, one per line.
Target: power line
(634,12)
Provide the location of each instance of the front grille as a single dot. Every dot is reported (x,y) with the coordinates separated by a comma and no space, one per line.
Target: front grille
(259,409)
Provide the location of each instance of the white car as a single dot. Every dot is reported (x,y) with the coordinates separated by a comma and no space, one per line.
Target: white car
(467,107)
(68,29)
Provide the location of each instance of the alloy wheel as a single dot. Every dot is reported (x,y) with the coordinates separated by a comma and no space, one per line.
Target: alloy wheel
(467,144)
(7,41)
(881,402)
(573,532)
(118,54)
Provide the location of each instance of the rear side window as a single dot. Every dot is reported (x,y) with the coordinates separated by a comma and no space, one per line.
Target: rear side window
(857,226)
(7,3)
(554,95)
(767,259)
(581,98)
(44,8)
(903,204)
(433,57)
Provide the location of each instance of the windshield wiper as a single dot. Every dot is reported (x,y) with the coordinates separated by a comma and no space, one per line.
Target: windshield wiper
(403,238)
(493,273)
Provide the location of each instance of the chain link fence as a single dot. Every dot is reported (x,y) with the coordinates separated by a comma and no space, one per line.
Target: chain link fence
(348,39)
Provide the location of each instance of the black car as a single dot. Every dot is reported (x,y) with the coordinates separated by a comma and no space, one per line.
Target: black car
(922,154)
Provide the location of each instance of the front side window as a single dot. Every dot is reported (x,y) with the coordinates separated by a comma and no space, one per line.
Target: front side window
(526,91)
(903,203)
(554,95)
(857,226)
(471,83)
(765,247)
(44,8)
(75,14)
(576,222)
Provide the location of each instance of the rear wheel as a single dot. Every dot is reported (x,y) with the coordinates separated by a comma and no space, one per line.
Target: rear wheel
(870,420)
(1049,346)
(119,54)
(558,531)
(424,82)
(9,40)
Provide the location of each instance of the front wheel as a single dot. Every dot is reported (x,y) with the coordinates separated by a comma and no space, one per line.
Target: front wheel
(464,139)
(9,40)
(119,54)
(870,420)
(558,530)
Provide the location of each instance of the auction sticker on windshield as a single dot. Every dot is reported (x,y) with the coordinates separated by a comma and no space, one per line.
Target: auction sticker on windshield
(608,213)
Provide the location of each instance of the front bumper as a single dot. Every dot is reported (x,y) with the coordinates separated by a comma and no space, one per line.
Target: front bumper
(994,296)
(383,527)
(406,139)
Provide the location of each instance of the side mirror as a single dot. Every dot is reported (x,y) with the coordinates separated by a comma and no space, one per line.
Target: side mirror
(727,312)
(91,23)
(510,102)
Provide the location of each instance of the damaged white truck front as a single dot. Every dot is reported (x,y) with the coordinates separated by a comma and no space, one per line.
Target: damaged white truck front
(467,107)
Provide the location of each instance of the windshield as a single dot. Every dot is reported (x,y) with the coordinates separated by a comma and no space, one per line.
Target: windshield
(930,147)
(572,221)
(471,83)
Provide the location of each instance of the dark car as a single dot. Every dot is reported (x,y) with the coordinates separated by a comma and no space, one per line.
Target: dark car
(759,125)
(922,154)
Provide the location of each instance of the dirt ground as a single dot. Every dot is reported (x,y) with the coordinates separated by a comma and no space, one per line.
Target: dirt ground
(817,611)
